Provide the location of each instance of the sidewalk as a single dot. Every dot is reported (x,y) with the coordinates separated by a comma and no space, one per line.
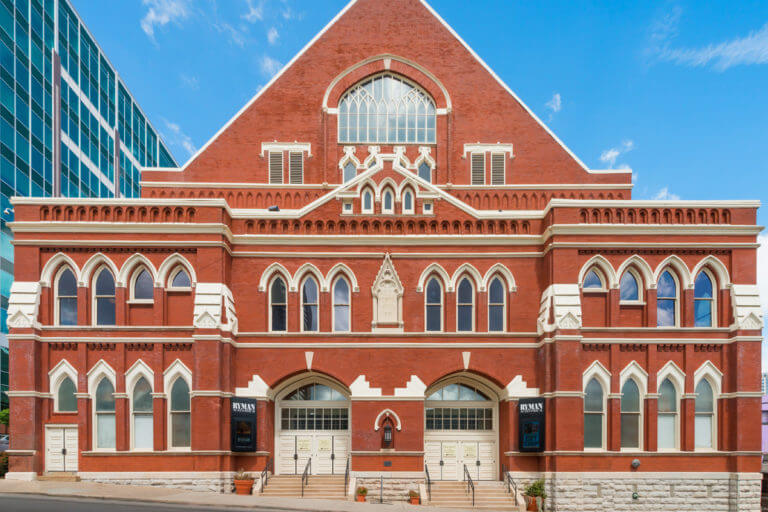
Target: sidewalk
(197,498)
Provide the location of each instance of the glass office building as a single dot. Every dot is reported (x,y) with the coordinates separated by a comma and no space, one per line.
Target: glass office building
(68,123)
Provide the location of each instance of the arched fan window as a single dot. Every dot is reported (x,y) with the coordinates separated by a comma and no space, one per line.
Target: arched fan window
(386,109)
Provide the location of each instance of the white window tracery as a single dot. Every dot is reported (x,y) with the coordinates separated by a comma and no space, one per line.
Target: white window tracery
(386,109)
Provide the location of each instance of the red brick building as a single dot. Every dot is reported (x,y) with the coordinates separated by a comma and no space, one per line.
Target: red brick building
(386,239)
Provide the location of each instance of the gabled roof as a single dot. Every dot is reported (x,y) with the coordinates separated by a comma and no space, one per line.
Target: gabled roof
(327,27)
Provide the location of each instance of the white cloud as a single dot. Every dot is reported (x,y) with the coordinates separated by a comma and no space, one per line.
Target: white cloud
(235,35)
(762,284)
(162,12)
(556,103)
(189,81)
(741,51)
(255,11)
(272,35)
(176,137)
(609,156)
(665,195)
(270,66)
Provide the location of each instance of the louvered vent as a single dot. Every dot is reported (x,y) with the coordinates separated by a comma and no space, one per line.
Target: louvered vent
(497,169)
(478,168)
(296,167)
(275,166)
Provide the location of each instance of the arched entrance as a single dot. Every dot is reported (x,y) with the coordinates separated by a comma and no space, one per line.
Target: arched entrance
(312,422)
(461,429)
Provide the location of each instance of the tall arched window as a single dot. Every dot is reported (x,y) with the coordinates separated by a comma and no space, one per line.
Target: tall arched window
(434,305)
(341,305)
(66,297)
(309,305)
(497,306)
(703,301)
(593,280)
(278,305)
(425,172)
(407,201)
(350,171)
(66,401)
(465,306)
(630,415)
(104,298)
(367,201)
(667,419)
(666,301)
(629,287)
(180,415)
(593,415)
(143,286)
(387,202)
(180,279)
(386,109)
(705,415)
(105,414)
(143,425)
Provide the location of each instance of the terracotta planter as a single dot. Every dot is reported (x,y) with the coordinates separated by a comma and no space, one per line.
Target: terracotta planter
(360,497)
(414,500)
(243,486)
(532,505)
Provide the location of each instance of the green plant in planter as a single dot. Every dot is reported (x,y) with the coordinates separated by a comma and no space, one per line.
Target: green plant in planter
(242,475)
(536,489)
(362,491)
(413,494)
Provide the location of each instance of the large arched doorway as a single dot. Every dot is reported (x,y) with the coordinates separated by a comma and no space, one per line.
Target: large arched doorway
(312,422)
(461,428)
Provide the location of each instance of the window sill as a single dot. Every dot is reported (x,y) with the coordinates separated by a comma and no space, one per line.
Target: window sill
(179,290)
(631,303)
(140,301)
(594,290)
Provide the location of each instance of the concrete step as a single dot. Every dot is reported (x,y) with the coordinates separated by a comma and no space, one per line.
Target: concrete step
(319,487)
(63,476)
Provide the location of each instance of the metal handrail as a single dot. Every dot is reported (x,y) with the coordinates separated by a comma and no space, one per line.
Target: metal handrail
(265,474)
(470,483)
(510,482)
(305,476)
(429,482)
(346,479)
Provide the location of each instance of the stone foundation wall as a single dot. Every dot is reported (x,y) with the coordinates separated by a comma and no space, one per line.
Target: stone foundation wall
(193,481)
(656,492)
(395,489)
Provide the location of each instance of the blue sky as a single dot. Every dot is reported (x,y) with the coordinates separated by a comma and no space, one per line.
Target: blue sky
(676,90)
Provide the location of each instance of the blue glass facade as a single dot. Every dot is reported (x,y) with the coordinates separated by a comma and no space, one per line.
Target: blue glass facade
(44,46)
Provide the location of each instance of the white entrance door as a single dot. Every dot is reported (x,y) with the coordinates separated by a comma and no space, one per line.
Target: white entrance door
(61,449)
(446,458)
(328,451)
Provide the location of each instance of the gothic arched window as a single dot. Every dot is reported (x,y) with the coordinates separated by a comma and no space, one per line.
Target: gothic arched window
(386,109)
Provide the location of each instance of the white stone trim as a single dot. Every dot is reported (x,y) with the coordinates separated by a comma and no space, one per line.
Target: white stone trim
(476,278)
(344,270)
(518,388)
(24,304)
(361,388)
(169,264)
(717,268)
(479,147)
(268,274)
(386,413)
(414,388)
(434,268)
(501,270)
(563,302)
(679,269)
(643,272)
(598,371)
(604,267)
(56,376)
(52,267)
(93,264)
(281,147)
(210,300)
(710,372)
(747,310)
(308,269)
(256,388)
(129,270)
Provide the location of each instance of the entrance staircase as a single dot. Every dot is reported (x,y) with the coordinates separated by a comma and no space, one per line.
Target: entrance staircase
(59,476)
(321,487)
(488,496)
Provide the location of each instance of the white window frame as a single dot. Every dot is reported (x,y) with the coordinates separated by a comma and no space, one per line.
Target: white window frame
(597,371)
(56,376)
(270,303)
(714,376)
(95,296)
(100,370)
(503,157)
(344,166)
(391,209)
(427,207)
(442,302)
(473,304)
(363,208)
(347,207)
(177,370)
(333,304)
(138,371)
(712,301)
(56,305)
(173,274)
(471,168)
(405,210)
(270,170)
(675,415)
(603,281)
(677,298)
(503,302)
(640,286)
(301,301)
(427,164)
(635,372)
(132,286)
(291,156)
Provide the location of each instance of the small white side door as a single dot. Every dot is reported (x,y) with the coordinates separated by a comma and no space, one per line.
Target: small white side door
(321,460)
(71,449)
(54,447)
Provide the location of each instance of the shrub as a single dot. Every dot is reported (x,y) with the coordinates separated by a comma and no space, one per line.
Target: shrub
(362,491)
(536,489)
(3,464)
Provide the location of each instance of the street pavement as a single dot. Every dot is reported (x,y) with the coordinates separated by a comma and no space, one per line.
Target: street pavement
(34,503)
